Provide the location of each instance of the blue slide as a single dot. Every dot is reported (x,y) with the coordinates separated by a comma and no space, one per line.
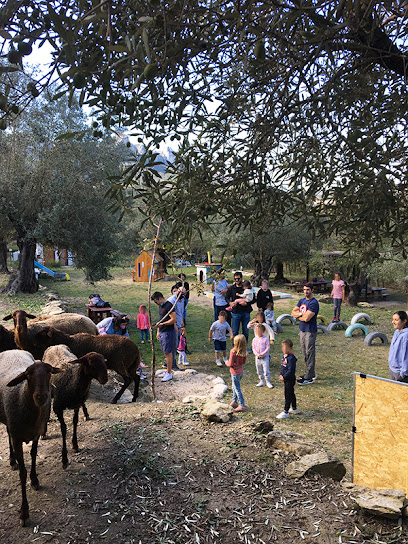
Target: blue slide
(57,275)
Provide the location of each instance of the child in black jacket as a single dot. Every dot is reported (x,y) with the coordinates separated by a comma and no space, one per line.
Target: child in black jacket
(288,376)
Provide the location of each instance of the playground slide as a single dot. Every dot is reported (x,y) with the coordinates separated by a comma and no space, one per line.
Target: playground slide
(57,275)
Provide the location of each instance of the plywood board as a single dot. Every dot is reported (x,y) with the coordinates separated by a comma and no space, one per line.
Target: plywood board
(380,448)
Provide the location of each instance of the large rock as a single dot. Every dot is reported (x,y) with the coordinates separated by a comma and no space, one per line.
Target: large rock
(321,463)
(263,427)
(219,412)
(384,502)
(219,391)
(292,442)
(218,380)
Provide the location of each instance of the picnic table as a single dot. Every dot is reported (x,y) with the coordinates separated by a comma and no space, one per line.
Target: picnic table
(376,293)
(318,286)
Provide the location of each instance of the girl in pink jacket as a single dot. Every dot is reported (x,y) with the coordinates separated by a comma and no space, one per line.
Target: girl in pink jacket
(143,323)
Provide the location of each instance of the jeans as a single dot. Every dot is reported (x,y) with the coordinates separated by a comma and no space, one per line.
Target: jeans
(240,318)
(290,397)
(236,389)
(144,334)
(185,308)
(308,346)
(262,368)
(181,357)
(337,307)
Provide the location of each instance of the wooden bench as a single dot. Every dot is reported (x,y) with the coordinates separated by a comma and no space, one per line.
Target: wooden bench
(97,314)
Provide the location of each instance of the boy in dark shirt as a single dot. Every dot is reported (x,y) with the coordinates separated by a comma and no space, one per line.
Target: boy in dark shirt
(288,376)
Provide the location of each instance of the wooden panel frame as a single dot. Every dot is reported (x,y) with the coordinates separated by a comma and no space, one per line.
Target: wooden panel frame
(380,433)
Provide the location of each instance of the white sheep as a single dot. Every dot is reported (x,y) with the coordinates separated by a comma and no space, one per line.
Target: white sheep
(68,323)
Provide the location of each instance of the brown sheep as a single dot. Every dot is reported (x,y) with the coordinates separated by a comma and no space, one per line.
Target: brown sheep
(7,339)
(71,389)
(122,354)
(25,401)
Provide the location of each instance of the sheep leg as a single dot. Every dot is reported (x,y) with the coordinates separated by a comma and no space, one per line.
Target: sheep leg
(74,434)
(13,462)
(18,452)
(60,415)
(137,383)
(44,435)
(35,484)
(126,384)
(85,411)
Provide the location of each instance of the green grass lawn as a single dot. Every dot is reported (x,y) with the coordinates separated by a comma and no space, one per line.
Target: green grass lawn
(326,406)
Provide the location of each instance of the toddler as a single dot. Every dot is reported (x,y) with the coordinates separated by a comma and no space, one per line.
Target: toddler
(288,377)
(218,333)
(182,348)
(235,363)
(143,323)
(244,298)
(260,348)
(270,316)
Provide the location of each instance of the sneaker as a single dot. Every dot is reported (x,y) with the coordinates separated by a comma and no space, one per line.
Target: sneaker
(240,409)
(142,341)
(282,415)
(229,308)
(218,362)
(234,405)
(269,385)
(294,411)
(334,319)
(175,367)
(303,381)
(186,363)
(226,359)
(260,384)
(167,376)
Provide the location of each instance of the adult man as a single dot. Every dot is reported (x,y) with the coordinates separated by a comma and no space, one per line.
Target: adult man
(178,303)
(241,313)
(165,331)
(220,287)
(306,310)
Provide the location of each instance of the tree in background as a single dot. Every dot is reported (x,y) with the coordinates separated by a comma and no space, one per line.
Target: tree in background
(53,190)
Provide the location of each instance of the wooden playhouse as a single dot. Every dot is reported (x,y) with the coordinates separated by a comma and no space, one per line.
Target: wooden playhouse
(143,266)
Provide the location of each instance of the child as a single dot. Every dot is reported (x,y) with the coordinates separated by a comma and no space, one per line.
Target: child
(218,333)
(181,350)
(260,318)
(288,376)
(114,325)
(264,296)
(339,295)
(260,348)
(246,297)
(270,316)
(143,323)
(235,363)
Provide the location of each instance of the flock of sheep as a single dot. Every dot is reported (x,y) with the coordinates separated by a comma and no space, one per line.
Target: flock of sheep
(54,358)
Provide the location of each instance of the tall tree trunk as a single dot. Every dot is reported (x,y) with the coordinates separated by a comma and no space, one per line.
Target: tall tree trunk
(262,269)
(279,272)
(3,257)
(24,280)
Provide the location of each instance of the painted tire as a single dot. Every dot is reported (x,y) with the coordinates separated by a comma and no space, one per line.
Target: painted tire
(340,324)
(322,319)
(368,340)
(356,327)
(286,316)
(323,329)
(358,317)
(279,328)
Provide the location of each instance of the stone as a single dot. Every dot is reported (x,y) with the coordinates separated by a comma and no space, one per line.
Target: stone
(218,380)
(388,503)
(219,391)
(160,372)
(320,462)
(190,372)
(215,411)
(210,377)
(292,442)
(263,427)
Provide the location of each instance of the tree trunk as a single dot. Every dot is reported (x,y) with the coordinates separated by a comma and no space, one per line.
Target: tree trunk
(262,269)
(355,286)
(279,273)
(24,280)
(3,257)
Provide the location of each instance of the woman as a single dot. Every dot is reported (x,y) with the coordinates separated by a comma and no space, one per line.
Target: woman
(398,356)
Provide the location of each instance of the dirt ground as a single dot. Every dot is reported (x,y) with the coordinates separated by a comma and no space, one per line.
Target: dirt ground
(157,473)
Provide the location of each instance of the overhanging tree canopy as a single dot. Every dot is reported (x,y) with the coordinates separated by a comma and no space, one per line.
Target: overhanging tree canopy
(285,105)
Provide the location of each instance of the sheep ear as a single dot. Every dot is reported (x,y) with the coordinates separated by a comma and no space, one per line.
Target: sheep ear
(55,370)
(75,361)
(8,317)
(18,379)
(30,316)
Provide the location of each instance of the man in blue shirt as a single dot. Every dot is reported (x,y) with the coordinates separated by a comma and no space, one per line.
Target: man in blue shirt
(306,311)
